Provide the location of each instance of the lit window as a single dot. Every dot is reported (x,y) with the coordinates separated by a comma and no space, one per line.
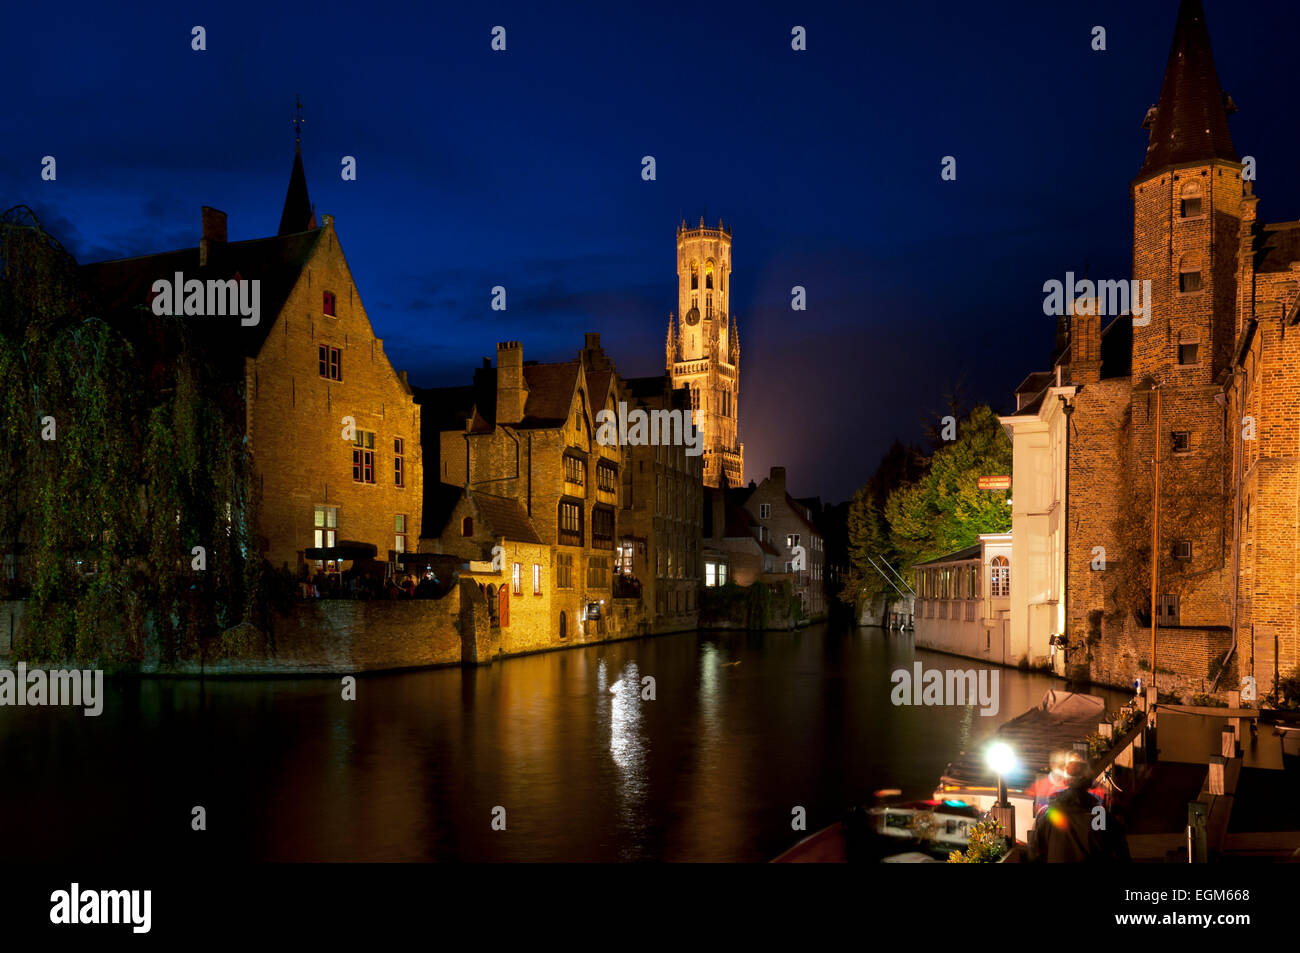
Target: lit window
(363,457)
(517,579)
(325,530)
(999,577)
(537,579)
(399,530)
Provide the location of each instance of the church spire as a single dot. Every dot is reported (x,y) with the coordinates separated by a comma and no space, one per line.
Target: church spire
(299,214)
(1190,123)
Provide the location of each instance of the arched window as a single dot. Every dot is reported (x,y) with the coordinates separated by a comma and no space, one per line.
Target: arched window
(708,276)
(999,577)
(467,526)
(695,277)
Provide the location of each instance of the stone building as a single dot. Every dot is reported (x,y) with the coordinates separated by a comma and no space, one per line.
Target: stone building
(1206,389)
(703,347)
(518,446)
(310,370)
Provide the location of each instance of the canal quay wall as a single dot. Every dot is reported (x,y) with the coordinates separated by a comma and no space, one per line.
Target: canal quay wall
(346,636)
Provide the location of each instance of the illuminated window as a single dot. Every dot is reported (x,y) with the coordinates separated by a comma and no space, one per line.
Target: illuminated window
(999,577)
(537,579)
(399,529)
(363,457)
(517,579)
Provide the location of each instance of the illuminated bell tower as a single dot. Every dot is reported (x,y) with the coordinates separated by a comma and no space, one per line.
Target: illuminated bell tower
(703,347)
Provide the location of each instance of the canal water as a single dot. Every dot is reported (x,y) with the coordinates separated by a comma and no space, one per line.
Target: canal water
(743,728)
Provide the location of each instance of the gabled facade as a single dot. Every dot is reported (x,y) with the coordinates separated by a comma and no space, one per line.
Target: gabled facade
(332,429)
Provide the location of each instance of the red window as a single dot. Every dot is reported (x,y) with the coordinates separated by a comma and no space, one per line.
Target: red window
(327,305)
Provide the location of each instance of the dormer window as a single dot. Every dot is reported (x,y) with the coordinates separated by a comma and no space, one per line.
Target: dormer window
(327,305)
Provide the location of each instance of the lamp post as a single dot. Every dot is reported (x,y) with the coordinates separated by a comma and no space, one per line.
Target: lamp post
(1002,761)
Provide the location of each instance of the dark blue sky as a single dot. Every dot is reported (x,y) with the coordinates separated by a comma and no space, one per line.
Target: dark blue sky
(522,169)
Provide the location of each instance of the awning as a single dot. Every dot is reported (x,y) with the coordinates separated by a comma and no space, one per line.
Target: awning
(344,550)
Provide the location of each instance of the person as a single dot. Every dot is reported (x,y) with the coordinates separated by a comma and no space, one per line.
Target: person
(1054,781)
(1076,827)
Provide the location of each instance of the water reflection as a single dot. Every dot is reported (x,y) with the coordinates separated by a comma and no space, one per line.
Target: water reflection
(743,728)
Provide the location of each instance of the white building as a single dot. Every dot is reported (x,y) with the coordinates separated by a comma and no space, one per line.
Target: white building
(1038,447)
(963,601)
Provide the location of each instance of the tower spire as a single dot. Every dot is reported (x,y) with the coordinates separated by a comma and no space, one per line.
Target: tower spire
(299,215)
(1190,123)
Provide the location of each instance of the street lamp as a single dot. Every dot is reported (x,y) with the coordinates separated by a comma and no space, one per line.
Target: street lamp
(1002,760)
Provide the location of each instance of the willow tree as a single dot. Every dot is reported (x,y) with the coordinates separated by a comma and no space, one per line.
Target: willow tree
(108,482)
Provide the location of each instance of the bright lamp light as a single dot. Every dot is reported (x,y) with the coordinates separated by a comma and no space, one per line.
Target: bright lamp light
(1000,758)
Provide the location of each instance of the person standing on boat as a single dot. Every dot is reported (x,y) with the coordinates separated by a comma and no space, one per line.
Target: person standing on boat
(1076,827)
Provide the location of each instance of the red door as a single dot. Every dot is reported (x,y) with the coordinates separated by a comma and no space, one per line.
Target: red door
(503,606)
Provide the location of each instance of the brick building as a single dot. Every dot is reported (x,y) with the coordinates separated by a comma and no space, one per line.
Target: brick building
(1207,388)
(524,433)
(663,500)
(786,524)
(308,371)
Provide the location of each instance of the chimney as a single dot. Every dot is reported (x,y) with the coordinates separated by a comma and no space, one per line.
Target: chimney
(777,478)
(1084,353)
(511,390)
(214,233)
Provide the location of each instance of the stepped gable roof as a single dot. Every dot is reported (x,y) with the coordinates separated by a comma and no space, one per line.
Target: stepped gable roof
(121,289)
(1191,119)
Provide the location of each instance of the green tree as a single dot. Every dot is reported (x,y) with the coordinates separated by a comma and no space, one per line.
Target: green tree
(945,510)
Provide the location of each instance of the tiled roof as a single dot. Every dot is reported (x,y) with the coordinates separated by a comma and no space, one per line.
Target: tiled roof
(1276,247)
(121,290)
(504,517)
(550,393)
(1191,120)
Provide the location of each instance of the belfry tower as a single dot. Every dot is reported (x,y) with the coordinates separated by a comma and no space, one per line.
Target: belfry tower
(703,347)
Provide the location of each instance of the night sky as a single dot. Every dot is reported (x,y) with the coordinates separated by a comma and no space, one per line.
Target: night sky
(523,169)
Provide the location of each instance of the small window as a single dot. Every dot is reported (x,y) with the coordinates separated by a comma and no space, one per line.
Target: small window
(1182,441)
(1187,353)
(327,305)
(467,526)
(764,511)
(1182,550)
(331,362)
(399,462)
(999,577)
(399,529)
(537,579)
(517,579)
(1191,208)
(1189,281)
(575,470)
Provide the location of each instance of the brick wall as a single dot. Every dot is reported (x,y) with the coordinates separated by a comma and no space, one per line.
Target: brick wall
(295,420)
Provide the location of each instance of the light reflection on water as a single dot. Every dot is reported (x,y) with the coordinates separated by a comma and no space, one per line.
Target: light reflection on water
(412,770)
